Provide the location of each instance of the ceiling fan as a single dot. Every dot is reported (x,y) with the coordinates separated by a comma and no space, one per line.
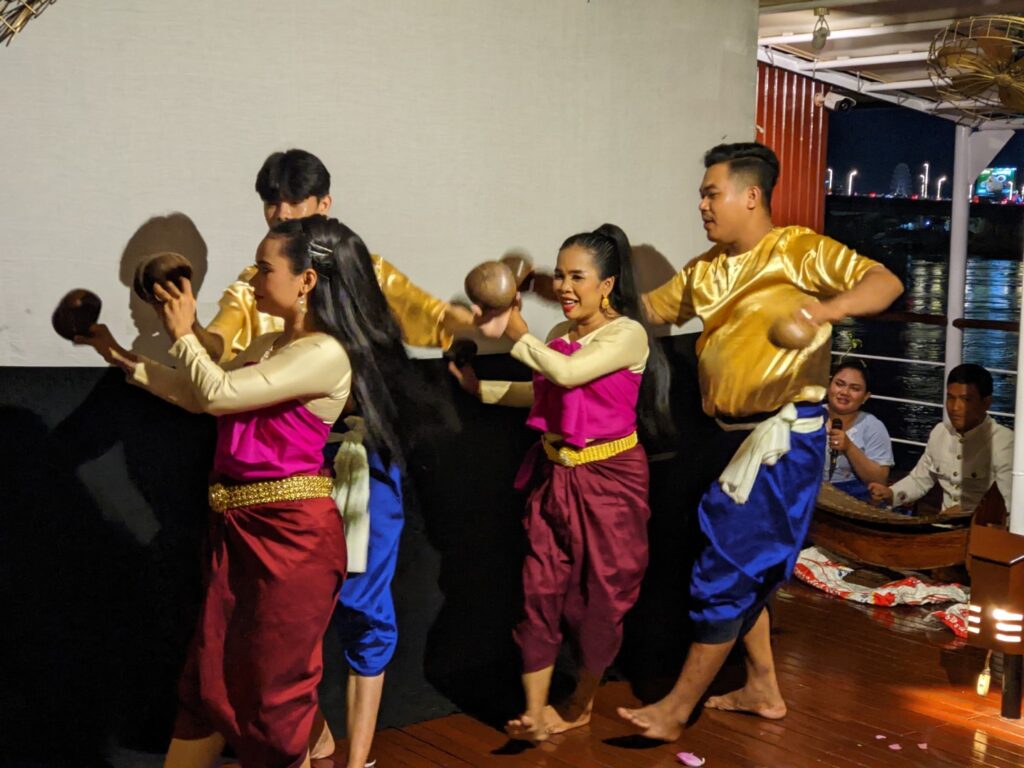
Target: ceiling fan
(15,14)
(977,64)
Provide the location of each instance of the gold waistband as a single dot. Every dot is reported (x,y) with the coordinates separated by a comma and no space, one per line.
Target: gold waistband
(295,488)
(570,457)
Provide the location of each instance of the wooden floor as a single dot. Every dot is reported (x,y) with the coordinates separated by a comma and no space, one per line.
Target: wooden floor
(866,687)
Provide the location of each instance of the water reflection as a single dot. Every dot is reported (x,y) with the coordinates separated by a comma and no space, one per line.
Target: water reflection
(993,292)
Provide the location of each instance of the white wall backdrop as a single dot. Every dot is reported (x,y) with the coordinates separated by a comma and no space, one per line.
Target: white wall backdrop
(455,130)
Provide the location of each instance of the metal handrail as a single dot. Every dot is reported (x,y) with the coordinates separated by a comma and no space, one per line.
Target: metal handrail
(934,405)
(910,401)
(909,317)
(960,322)
(1005,371)
(889,359)
(907,400)
(928,319)
(905,441)
(988,325)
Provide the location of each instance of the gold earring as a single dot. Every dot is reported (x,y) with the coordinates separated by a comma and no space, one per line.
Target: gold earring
(302,303)
(605,304)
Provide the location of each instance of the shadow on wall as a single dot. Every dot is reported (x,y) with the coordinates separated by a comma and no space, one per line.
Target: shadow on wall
(175,232)
(652,268)
(473,519)
(104,554)
(657,630)
(63,577)
(100,571)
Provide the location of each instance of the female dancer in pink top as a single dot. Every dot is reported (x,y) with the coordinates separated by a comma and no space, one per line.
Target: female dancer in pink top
(277,549)
(587,478)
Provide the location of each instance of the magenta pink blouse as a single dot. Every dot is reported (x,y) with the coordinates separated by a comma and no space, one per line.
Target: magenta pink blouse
(602,409)
(270,443)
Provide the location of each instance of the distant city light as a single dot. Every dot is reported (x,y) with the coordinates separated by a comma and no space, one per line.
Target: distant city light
(996,184)
(993,185)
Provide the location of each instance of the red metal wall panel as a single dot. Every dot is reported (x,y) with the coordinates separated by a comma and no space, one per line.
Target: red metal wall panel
(790,123)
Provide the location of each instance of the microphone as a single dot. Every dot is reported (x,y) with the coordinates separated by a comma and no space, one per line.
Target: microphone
(833,454)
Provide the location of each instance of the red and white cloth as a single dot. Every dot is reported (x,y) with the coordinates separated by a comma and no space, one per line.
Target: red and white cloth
(818,569)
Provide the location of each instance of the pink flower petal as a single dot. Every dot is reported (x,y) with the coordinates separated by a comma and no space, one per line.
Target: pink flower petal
(895,747)
(688,758)
(880,736)
(922,745)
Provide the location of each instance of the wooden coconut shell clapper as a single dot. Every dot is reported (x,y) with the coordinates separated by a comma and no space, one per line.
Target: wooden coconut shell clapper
(79,310)
(493,285)
(76,313)
(161,268)
(793,332)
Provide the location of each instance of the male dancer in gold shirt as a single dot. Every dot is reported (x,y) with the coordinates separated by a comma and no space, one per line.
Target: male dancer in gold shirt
(293,185)
(768,402)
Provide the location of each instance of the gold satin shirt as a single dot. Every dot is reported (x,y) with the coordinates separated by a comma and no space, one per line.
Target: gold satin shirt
(419,314)
(738,297)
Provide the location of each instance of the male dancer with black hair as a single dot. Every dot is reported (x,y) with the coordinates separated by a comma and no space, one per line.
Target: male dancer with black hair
(293,185)
(768,403)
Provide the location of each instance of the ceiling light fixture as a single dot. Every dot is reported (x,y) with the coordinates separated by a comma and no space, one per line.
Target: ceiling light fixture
(821,30)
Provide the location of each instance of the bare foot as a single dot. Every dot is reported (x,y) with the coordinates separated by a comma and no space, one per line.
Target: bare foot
(565,720)
(321,739)
(766,704)
(656,721)
(527,728)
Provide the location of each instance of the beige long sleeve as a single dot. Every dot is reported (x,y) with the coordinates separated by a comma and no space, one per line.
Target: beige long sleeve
(622,343)
(313,369)
(515,394)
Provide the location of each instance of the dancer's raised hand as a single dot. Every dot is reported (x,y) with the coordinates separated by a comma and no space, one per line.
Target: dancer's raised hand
(177,307)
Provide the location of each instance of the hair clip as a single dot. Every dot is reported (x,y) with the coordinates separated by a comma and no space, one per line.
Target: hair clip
(316,250)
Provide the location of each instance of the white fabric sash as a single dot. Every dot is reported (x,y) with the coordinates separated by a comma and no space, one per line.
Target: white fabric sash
(352,490)
(766,444)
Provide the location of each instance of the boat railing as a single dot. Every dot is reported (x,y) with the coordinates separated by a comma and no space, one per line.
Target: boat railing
(927,319)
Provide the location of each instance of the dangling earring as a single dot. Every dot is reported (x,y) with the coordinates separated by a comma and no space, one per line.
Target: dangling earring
(302,304)
(605,303)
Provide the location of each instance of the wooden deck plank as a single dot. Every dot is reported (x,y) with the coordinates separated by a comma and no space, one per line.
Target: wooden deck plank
(850,674)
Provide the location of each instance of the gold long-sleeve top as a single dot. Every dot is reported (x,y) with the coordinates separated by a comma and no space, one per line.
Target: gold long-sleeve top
(419,314)
(738,297)
(313,370)
(621,343)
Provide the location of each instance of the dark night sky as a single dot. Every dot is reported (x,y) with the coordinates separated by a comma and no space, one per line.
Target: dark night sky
(875,139)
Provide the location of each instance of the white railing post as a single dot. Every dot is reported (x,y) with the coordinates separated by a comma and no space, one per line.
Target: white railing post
(958,225)
(1017,489)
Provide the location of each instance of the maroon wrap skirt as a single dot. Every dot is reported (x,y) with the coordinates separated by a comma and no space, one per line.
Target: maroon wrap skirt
(586,530)
(252,670)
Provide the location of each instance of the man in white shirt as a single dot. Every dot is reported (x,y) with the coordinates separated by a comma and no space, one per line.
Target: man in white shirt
(965,454)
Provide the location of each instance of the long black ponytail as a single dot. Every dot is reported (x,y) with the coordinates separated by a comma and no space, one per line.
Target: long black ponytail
(613,256)
(347,303)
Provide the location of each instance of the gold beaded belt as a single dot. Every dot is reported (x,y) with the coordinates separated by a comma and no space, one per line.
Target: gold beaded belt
(570,457)
(295,488)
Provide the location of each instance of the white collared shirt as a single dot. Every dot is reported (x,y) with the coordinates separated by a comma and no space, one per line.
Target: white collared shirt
(964,465)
